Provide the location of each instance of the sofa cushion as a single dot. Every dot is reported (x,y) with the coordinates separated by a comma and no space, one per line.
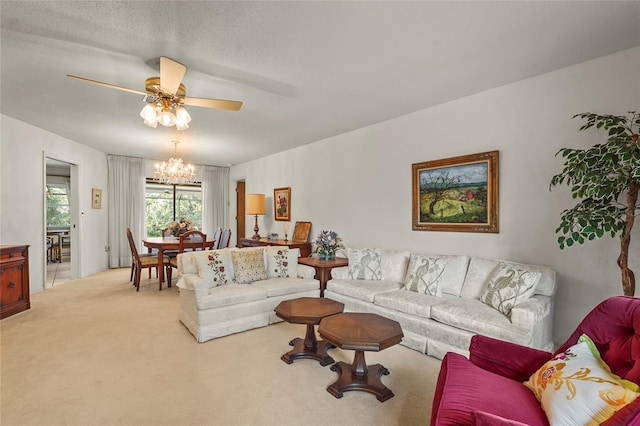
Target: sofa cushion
(364,264)
(231,294)
(509,286)
(279,286)
(214,266)
(394,264)
(282,261)
(248,266)
(577,387)
(424,273)
(464,388)
(187,261)
(408,302)
(478,318)
(480,271)
(362,289)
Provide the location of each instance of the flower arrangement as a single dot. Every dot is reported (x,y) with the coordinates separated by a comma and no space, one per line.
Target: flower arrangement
(327,244)
(180,227)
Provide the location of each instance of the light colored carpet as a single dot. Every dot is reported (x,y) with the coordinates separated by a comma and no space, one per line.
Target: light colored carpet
(95,352)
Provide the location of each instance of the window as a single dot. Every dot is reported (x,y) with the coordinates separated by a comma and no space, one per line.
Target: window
(166,203)
(58,212)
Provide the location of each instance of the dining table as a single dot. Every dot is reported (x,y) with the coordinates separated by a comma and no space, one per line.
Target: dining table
(163,244)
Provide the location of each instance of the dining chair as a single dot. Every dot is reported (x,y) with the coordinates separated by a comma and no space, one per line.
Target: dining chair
(141,262)
(216,238)
(65,244)
(226,237)
(133,260)
(189,241)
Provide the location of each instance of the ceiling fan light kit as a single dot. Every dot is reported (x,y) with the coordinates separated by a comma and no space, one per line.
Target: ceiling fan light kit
(168,95)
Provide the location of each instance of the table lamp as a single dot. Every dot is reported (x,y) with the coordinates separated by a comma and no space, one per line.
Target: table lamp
(256,205)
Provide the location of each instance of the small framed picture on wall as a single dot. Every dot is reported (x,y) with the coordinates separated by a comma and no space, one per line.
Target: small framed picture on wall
(96,198)
(282,203)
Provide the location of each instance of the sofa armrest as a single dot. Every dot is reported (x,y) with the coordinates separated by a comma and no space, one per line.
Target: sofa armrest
(531,311)
(305,271)
(340,273)
(505,358)
(193,282)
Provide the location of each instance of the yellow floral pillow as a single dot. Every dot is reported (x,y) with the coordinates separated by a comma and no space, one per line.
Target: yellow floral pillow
(576,387)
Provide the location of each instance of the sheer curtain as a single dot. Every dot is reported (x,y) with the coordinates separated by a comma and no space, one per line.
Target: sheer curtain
(126,207)
(215,198)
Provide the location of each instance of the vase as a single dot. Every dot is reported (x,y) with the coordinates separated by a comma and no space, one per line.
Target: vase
(331,256)
(322,256)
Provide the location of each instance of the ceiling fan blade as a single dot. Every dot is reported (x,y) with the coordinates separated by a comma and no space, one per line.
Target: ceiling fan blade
(112,86)
(213,103)
(171,73)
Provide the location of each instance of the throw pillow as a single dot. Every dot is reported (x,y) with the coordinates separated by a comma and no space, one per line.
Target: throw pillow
(576,387)
(423,274)
(509,286)
(249,266)
(282,262)
(364,264)
(214,266)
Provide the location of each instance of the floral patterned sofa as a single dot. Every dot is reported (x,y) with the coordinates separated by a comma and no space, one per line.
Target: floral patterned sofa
(227,291)
(441,301)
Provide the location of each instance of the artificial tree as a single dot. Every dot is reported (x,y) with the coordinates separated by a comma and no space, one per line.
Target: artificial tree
(606,179)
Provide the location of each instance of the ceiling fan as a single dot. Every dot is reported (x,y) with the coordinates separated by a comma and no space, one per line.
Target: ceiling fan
(166,95)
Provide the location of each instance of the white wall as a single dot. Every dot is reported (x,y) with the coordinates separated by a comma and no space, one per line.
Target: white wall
(359,183)
(22,153)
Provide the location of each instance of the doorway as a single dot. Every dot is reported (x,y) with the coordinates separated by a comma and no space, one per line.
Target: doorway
(240,212)
(60,219)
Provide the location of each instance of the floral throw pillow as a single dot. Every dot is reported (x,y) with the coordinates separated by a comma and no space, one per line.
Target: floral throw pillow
(364,264)
(282,262)
(423,274)
(249,266)
(576,387)
(509,286)
(214,266)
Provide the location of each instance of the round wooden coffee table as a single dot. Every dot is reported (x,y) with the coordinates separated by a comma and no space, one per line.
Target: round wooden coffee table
(360,332)
(309,311)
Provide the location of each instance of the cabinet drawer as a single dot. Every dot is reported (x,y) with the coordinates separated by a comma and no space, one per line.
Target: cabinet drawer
(11,285)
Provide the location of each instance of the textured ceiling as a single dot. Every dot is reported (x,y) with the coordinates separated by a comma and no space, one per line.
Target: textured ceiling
(304,70)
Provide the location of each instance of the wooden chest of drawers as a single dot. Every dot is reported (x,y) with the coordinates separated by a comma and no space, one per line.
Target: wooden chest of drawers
(14,279)
(305,247)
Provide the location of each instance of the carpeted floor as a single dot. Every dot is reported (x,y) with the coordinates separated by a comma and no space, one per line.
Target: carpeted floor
(95,352)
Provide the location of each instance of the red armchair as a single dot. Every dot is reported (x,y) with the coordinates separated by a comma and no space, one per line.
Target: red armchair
(488,389)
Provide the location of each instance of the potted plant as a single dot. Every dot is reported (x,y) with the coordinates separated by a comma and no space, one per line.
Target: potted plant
(606,180)
(327,244)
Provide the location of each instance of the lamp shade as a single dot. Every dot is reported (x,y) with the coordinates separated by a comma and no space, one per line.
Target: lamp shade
(256,204)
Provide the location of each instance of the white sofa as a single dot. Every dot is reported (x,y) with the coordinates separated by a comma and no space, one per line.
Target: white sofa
(446,319)
(214,302)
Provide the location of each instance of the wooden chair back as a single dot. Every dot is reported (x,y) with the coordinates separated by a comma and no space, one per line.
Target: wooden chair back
(216,238)
(192,241)
(224,239)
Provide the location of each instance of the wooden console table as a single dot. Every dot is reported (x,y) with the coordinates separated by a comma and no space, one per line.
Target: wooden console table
(14,279)
(323,268)
(305,247)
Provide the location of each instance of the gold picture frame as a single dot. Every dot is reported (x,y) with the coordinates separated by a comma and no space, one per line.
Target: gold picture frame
(282,203)
(301,232)
(96,198)
(458,194)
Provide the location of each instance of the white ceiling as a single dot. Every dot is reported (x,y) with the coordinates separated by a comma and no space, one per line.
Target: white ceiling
(304,70)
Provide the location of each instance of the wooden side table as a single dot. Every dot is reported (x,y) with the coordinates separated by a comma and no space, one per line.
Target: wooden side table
(360,332)
(323,268)
(309,311)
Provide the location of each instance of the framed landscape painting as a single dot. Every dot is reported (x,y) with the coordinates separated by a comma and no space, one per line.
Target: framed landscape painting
(282,203)
(458,194)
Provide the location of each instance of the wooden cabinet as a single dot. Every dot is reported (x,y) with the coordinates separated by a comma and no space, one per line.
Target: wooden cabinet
(14,280)
(305,247)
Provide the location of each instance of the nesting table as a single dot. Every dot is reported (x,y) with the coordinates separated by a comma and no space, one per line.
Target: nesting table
(309,311)
(360,332)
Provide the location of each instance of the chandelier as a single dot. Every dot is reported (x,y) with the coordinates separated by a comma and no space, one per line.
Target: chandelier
(174,171)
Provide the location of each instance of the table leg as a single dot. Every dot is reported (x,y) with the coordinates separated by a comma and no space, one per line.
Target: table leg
(309,348)
(359,376)
(160,267)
